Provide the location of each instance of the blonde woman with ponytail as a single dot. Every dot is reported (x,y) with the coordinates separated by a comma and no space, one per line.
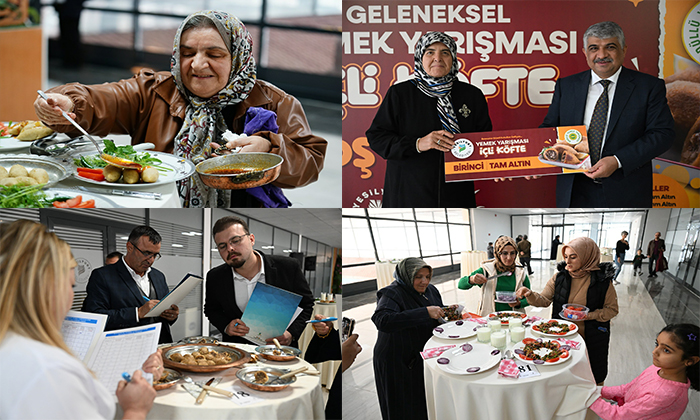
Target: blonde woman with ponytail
(40,378)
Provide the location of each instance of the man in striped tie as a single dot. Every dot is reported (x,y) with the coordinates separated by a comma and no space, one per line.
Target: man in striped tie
(628,122)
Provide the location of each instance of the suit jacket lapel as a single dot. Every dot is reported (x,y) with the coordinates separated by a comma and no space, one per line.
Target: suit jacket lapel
(270,270)
(623,91)
(229,290)
(125,276)
(580,96)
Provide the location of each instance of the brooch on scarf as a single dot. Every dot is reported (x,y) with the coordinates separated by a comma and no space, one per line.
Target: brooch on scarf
(465,111)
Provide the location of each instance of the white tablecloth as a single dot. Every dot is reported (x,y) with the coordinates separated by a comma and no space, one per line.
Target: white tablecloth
(471,260)
(327,369)
(561,392)
(168,191)
(385,273)
(302,400)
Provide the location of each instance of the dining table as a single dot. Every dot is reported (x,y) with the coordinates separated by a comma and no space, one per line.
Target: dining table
(102,194)
(561,391)
(302,400)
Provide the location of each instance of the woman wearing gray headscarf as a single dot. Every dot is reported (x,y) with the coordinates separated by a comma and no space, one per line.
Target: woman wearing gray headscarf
(407,311)
(416,123)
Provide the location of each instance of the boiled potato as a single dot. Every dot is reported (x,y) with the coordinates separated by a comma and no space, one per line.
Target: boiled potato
(18,170)
(8,182)
(3,173)
(112,173)
(40,175)
(131,176)
(149,175)
(26,180)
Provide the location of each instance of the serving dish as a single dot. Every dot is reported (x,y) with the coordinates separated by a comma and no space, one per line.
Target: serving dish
(238,357)
(504,316)
(199,339)
(555,328)
(455,330)
(240,170)
(561,353)
(247,377)
(469,359)
(57,172)
(270,352)
(169,379)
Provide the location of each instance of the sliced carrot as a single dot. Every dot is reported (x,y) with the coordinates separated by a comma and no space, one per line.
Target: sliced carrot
(87,204)
(90,170)
(96,177)
(74,201)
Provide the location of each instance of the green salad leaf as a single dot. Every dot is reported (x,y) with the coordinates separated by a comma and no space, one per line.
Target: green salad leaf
(17,196)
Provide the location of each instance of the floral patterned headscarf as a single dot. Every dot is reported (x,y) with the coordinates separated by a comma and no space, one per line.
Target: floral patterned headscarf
(203,119)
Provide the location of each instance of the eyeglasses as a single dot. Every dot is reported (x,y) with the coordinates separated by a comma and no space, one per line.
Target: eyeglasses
(508,254)
(147,254)
(234,241)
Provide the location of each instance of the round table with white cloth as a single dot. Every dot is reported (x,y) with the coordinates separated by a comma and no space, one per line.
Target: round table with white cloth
(302,400)
(385,273)
(562,391)
(327,369)
(471,260)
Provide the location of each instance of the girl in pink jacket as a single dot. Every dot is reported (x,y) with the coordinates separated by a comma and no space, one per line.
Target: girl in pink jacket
(661,391)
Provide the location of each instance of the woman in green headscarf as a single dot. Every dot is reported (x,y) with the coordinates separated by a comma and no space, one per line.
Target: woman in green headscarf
(211,87)
(407,311)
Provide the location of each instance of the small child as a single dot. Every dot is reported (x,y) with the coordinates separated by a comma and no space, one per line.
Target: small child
(637,262)
(661,391)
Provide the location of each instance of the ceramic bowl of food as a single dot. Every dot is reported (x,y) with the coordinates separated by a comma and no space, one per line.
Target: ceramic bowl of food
(240,170)
(204,357)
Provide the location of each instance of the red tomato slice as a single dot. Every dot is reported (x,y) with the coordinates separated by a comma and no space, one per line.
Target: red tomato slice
(96,177)
(60,204)
(553,360)
(564,354)
(87,204)
(536,327)
(572,327)
(90,170)
(74,201)
(528,340)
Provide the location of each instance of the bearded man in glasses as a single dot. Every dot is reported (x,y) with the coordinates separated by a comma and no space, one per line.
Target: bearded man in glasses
(128,289)
(230,285)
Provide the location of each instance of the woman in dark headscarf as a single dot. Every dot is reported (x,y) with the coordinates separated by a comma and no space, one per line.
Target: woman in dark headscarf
(512,277)
(583,280)
(416,123)
(407,311)
(211,87)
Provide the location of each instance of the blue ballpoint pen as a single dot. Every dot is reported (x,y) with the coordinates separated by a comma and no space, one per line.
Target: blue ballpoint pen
(147,299)
(126,377)
(313,321)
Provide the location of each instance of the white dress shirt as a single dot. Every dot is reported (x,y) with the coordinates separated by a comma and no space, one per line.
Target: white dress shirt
(142,282)
(595,89)
(244,287)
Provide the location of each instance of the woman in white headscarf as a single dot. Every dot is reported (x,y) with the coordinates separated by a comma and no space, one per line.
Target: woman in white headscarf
(211,87)
(416,123)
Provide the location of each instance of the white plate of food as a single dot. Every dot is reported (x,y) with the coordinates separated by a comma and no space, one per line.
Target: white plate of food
(10,143)
(100,201)
(554,328)
(541,352)
(505,316)
(469,358)
(55,171)
(174,168)
(454,330)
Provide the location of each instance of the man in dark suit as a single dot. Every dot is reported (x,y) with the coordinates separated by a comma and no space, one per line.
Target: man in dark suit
(230,285)
(128,289)
(655,251)
(624,137)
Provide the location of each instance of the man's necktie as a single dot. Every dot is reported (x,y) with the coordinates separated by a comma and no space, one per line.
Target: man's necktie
(597,125)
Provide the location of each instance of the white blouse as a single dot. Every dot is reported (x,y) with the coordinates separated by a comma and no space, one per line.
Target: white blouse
(38,381)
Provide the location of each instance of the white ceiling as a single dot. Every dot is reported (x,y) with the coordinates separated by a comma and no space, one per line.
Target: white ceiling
(322,225)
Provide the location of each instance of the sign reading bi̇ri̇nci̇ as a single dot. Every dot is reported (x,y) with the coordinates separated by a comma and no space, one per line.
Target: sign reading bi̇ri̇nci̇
(518,153)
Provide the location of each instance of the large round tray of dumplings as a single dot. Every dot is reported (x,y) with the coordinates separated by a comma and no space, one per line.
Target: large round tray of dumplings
(207,357)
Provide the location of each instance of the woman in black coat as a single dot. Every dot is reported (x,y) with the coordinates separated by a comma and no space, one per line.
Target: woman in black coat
(415,125)
(407,311)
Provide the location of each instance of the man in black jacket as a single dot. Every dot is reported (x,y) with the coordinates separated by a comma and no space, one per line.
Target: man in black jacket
(655,250)
(230,285)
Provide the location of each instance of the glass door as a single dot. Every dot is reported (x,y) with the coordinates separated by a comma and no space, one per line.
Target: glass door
(689,263)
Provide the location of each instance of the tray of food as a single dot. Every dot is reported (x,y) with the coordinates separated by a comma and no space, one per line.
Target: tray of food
(31,170)
(16,136)
(204,357)
(285,354)
(199,339)
(265,379)
(541,352)
(167,380)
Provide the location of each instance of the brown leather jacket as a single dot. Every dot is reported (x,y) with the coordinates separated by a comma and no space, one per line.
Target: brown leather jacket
(149,108)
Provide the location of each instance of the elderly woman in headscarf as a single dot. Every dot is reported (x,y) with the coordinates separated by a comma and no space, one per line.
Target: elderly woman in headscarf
(416,123)
(502,274)
(581,279)
(407,311)
(211,87)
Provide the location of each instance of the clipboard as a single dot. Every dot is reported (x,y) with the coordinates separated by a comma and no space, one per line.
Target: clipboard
(176,295)
(269,312)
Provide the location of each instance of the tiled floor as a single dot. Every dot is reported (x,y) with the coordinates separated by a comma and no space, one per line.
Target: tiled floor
(643,313)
